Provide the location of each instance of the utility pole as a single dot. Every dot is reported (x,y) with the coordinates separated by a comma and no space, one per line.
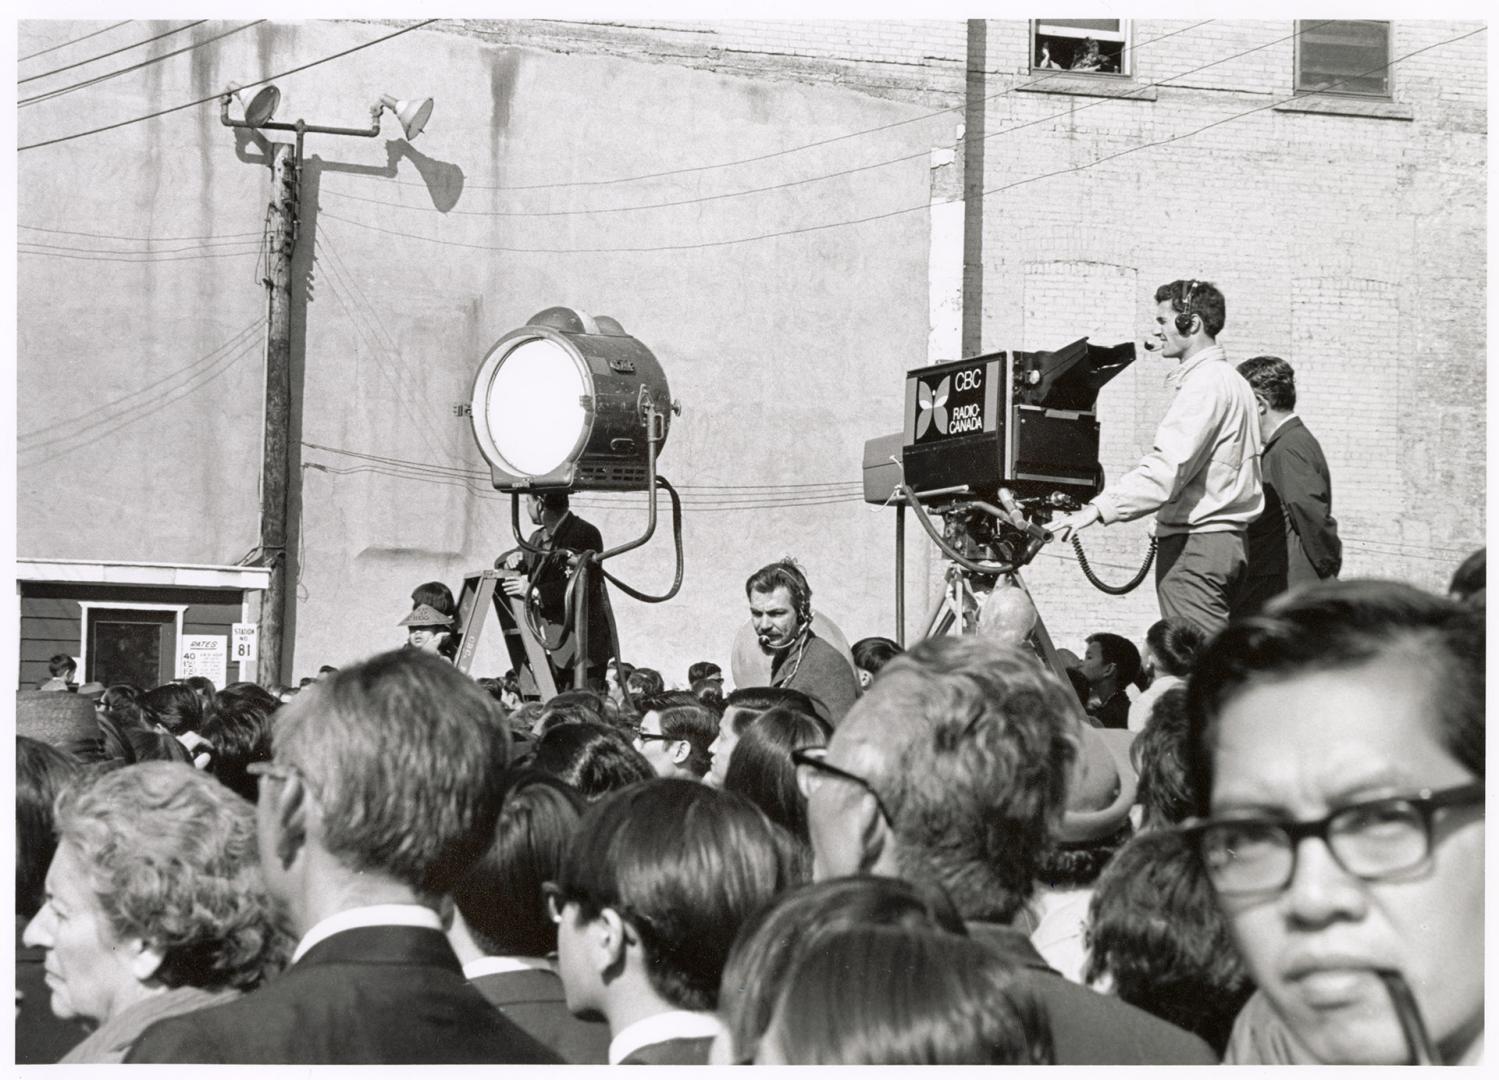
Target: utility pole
(275,467)
(286,164)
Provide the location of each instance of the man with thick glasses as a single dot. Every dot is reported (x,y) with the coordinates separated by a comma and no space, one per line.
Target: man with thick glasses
(954,768)
(1338,752)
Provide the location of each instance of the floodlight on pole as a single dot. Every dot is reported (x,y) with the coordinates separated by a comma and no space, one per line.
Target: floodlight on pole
(570,401)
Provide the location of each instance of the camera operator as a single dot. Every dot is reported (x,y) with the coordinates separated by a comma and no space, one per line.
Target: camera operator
(1202,475)
(562,530)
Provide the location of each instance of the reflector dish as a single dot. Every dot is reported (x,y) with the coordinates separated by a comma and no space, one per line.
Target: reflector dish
(536,415)
(569,402)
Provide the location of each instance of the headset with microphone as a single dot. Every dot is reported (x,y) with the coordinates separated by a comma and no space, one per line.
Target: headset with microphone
(1184,305)
(801,597)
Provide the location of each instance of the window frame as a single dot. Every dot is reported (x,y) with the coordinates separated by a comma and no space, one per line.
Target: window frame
(1041,28)
(1388,94)
(89,608)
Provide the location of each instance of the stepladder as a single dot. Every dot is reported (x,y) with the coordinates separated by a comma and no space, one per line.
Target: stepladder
(528,657)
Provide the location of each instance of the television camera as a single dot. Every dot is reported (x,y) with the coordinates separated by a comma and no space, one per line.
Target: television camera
(993,445)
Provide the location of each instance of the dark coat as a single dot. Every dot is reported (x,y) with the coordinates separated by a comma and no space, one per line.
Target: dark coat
(1295,540)
(1089,1028)
(671,1052)
(573,534)
(536,1002)
(371,995)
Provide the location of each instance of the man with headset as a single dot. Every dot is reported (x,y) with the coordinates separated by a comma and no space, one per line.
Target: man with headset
(1201,477)
(780,603)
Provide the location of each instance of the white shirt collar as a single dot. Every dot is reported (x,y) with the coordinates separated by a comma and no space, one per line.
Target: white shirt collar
(502,965)
(373,915)
(1213,352)
(662,1027)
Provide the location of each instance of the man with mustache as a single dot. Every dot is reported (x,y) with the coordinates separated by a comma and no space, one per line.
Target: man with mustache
(781,610)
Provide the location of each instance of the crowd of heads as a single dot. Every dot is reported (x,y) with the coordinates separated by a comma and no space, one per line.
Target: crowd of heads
(962,869)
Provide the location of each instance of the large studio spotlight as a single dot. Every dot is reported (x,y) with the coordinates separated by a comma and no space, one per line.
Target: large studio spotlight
(570,401)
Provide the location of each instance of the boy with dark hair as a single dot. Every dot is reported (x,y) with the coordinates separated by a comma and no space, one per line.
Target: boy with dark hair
(648,902)
(61,667)
(1110,664)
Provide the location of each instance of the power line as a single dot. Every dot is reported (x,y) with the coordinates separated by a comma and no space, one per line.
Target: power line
(140,239)
(74,41)
(481,474)
(804,146)
(215,97)
(127,258)
(60,91)
(144,251)
(126,417)
(697,199)
(237,338)
(113,52)
(869,218)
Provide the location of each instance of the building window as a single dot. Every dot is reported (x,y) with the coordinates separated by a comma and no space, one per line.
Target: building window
(1095,46)
(131,645)
(1349,56)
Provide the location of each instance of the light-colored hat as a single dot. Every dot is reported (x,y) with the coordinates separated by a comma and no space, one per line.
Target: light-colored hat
(425,615)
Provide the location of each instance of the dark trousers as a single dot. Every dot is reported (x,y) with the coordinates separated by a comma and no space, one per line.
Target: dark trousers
(1197,576)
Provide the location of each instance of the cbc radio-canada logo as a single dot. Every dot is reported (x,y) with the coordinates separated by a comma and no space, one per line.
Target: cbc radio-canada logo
(931,405)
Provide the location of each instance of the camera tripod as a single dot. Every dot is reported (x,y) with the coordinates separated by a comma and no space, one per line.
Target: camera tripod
(987,545)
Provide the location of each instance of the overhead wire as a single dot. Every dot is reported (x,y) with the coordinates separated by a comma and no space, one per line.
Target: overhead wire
(95,80)
(73,41)
(390,372)
(138,239)
(201,101)
(232,341)
(112,52)
(920,208)
(71,441)
(756,159)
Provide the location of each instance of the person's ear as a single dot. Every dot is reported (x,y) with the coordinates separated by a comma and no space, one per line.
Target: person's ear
(873,832)
(290,812)
(145,960)
(865,678)
(1261,405)
(681,750)
(608,938)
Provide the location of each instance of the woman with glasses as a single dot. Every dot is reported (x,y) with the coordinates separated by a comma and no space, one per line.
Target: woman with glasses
(1338,748)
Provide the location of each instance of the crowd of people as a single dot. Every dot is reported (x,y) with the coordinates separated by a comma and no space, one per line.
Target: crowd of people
(1259,845)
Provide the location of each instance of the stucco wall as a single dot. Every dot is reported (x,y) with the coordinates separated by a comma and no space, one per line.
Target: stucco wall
(785,352)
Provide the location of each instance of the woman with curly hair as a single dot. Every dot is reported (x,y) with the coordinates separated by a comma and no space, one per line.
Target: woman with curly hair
(154,904)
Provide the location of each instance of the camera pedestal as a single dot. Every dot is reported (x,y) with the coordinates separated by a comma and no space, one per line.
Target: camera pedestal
(958,612)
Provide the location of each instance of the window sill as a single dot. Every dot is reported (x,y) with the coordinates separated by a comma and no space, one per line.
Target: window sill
(1348,106)
(1079,85)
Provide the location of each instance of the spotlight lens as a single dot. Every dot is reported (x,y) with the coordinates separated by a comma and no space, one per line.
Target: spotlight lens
(535,407)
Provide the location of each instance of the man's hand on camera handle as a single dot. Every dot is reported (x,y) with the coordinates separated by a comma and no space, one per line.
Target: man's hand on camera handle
(1063,526)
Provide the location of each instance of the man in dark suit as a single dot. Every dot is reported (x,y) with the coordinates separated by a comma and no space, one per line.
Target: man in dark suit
(650,896)
(955,736)
(1295,540)
(560,530)
(385,785)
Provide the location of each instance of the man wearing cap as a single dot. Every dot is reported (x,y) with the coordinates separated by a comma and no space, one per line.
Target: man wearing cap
(429,630)
(955,767)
